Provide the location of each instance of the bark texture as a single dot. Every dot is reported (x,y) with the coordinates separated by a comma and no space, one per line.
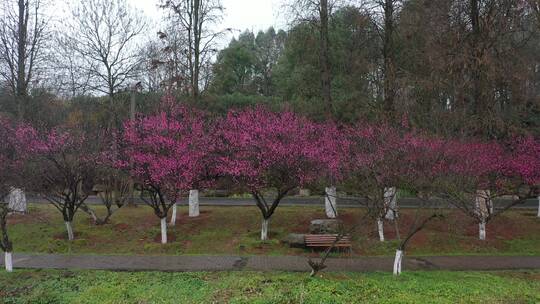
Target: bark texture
(330,202)
(173,216)
(194,203)
(264,230)
(164,230)
(390,200)
(397,262)
(17,201)
(8,261)
(380,229)
(69,228)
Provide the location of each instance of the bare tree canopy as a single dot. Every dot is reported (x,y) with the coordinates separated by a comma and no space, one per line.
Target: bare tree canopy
(195,18)
(103,34)
(22,31)
(318,13)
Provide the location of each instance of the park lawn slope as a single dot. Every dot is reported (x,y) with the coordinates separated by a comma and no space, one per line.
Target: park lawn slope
(236,231)
(57,286)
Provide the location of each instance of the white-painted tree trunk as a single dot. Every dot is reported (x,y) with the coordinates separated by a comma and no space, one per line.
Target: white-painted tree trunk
(193,203)
(8,261)
(484,204)
(482,231)
(164,230)
(330,202)
(93,215)
(380,228)
(539,206)
(390,200)
(173,216)
(17,201)
(69,228)
(397,262)
(304,192)
(264,229)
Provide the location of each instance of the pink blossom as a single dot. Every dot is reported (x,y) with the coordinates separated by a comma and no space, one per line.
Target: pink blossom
(263,149)
(169,150)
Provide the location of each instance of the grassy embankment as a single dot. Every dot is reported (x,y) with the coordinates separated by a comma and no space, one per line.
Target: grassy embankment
(252,287)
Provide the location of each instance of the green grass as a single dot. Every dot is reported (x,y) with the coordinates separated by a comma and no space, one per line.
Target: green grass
(236,230)
(25,286)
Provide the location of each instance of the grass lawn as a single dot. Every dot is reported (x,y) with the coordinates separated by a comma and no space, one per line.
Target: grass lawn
(236,230)
(24,286)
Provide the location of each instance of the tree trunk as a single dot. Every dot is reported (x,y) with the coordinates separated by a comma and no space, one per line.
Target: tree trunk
(482,231)
(164,230)
(193,203)
(380,228)
(484,209)
(69,228)
(17,201)
(91,213)
(8,261)
(196,49)
(539,206)
(390,200)
(388,58)
(264,229)
(326,78)
(397,262)
(173,216)
(133,103)
(21,49)
(330,202)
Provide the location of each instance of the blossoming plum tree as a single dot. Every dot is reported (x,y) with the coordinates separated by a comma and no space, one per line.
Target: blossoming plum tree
(167,154)
(112,185)
(62,162)
(373,166)
(10,163)
(263,150)
(336,149)
(524,165)
(380,156)
(480,171)
(421,170)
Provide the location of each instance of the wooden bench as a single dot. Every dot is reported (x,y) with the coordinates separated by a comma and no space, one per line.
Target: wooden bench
(327,240)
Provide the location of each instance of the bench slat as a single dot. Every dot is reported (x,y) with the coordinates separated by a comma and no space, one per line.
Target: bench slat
(326,240)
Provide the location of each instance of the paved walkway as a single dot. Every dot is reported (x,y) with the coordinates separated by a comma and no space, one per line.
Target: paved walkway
(266,263)
(308,201)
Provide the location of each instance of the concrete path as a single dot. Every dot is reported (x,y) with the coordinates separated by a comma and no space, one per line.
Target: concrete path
(266,263)
(310,201)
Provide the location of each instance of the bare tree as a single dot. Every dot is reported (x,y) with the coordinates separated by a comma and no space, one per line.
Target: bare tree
(317,13)
(471,63)
(67,76)
(114,189)
(385,18)
(390,8)
(22,33)
(104,34)
(169,61)
(195,18)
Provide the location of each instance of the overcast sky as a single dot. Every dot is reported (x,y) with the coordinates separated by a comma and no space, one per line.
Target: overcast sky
(239,14)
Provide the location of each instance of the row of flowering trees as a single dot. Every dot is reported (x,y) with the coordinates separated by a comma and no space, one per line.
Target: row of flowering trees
(179,148)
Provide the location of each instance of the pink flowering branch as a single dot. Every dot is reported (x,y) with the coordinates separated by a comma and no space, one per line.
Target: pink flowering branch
(263,150)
